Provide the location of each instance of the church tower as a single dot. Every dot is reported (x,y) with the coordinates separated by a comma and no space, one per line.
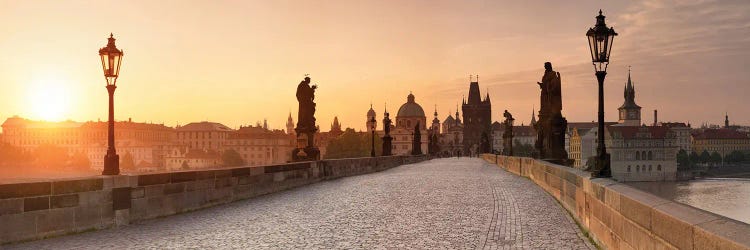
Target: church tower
(371,121)
(336,126)
(477,120)
(726,120)
(290,125)
(630,113)
(436,123)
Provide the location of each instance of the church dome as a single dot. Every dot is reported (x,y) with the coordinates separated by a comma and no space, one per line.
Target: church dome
(410,108)
(371,112)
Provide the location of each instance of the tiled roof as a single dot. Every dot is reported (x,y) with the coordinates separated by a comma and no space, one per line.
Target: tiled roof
(204,126)
(633,132)
(22,122)
(523,131)
(721,133)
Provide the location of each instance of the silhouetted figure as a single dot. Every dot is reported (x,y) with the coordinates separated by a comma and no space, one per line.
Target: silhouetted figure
(387,146)
(306,150)
(552,125)
(305,97)
(417,142)
(508,134)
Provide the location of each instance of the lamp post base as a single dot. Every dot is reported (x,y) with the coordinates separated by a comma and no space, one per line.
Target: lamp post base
(603,169)
(111,164)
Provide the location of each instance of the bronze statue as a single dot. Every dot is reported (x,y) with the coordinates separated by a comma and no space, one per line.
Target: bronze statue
(306,97)
(508,134)
(552,125)
(417,141)
(306,128)
(387,146)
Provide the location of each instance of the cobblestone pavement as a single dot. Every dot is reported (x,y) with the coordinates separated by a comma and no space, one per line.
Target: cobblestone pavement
(445,203)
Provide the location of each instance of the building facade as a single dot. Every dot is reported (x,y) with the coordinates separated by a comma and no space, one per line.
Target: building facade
(203,135)
(642,153)
(720,140)
(261,146)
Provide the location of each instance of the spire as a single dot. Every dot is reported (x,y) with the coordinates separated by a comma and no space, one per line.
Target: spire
(726,119)
(265,123)
(533,117)
(629,93)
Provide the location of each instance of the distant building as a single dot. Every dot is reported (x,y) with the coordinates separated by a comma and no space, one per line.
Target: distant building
(145,142)
(477,121)
(582,142)
(682,131)
(721,140)
(203,135)
(184,157)
(524,134)
(642,153)
(409,115)
(261,146)
(322,139)
(452,136)
(498,129)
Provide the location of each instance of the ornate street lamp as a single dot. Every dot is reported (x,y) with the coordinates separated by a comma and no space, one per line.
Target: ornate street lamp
(111,58)
(600,43)
(372,121)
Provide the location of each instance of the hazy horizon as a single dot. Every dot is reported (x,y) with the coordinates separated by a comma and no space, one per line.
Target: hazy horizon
(238,63)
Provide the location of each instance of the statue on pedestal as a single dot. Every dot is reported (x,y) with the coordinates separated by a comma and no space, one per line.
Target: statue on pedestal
(508,134)
(416,148)
(552,125)
(306,150)
(387,146)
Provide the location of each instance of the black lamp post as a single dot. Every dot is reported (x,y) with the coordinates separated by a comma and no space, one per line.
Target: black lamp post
(600,43)
(372,121)
(111,58)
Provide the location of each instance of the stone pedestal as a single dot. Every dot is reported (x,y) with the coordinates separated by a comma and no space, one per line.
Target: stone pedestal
(387,145)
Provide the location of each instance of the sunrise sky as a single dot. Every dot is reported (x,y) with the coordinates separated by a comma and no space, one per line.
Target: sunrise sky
(238,62)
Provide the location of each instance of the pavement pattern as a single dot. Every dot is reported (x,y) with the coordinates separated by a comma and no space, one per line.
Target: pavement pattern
(452,203)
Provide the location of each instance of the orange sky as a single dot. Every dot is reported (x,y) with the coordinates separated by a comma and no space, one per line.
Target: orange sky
(238,62)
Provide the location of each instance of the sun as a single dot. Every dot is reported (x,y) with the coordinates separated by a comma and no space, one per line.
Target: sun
(49,98)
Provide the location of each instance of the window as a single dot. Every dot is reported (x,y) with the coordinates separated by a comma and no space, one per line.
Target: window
(628,168)
(649,168)
(637,155)
(650,156)
(658,167)
(638,168)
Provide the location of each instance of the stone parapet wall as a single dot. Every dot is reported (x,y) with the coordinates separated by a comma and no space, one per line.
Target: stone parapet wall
(35,210)
(622,217)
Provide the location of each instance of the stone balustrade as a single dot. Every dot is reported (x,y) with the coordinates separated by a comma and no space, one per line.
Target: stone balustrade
(618,216)
(35,210)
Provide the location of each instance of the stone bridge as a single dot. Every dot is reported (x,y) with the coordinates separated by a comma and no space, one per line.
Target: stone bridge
(382,202)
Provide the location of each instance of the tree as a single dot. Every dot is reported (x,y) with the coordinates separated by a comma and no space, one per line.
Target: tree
(694,157)
(50,156)
(683,159)
(735,157)
(715,158)
(127,163)
(352,144)
(185,165)
(79,161)
(231,158)
(705,157)
(523,149)
(11,156)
